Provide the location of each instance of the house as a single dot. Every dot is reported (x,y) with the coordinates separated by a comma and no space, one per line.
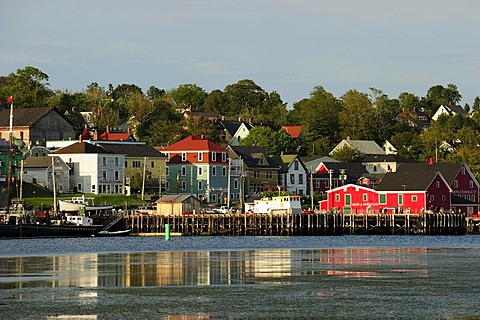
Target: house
(178,204)
(293,173)
(414,119)
(461,180)
(363,146)
(142,163)
(110,135)
(199,167)
(234,131)
(35,126)
(397,192)
(93,169)
(39,170)
(329,175)
(383,163)
(388,148)
(259,172)
(449,110)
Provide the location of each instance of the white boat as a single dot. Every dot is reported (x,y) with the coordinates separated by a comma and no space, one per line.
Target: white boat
(77,204)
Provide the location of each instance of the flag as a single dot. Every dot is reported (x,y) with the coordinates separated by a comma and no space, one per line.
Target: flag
(10,99)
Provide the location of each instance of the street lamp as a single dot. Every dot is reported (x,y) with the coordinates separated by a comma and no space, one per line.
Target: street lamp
(33,200)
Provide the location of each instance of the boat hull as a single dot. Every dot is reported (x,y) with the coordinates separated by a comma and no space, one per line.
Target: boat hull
(46,231)
(121,233)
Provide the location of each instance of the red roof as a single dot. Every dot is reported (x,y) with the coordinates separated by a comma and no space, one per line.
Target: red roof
(195,143)
(293,131)
(115,136)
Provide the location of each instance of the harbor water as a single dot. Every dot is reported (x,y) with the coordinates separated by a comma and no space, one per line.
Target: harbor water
(325,277)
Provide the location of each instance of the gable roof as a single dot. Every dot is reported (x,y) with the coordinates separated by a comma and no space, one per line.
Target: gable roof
(286,161)
(364,146)
(293,131)
(82,147)
(386,158)
(194,143)
(132,149)
(353,170)
(25,117)
(175,198)
(254,157)
(417,180)
(233,126)
(449,170)
(37,162)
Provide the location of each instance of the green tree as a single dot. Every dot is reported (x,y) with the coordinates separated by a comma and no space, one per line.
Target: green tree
(244,99)
(188,95)
(155,93)
(273,142)
(214,103)
(476,104)
(357,118)
(346,154)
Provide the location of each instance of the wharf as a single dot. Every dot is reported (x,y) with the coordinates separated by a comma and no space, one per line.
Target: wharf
(280,224)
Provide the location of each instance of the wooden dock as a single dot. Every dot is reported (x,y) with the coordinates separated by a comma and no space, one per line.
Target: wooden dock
(302,224)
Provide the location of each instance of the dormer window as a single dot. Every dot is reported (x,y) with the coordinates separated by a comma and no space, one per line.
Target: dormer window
(214,156)
(200,156)
(184,156)
(224,157)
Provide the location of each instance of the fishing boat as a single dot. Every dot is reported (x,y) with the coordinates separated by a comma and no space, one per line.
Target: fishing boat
(77,204)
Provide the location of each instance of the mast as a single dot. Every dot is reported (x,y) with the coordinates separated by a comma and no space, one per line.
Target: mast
(10,147)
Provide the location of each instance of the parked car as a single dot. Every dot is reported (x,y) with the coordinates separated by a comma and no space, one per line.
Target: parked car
(222,209)
(145,210)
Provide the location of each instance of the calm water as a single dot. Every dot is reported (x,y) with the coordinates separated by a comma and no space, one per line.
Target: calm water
(396,277)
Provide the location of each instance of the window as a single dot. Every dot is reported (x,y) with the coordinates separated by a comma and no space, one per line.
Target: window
(199,171)
(300,178)
(473,198)
(374,168)
(256,174)
(414,198)
(269,174)
(152,164)
(167,185)
(438,184)
(444,197)
(365,197)
(470,184)
(224,171)
(235,184)
(104,161)
(463,171)
(295,165)
(184,185)
(455,183)
(432,197)
(79,187)
(224,157)
(136,163)
(93,188)
(292,178)
(383,198)
(104,175)
(184,156)
(200,156)
(214,171)
(184,171)
(200,185)
(337,198)
(116,161)
(168,156)
(214,156)
(126,164)
(400,199)
(116,175)
(167,170)
(214,197)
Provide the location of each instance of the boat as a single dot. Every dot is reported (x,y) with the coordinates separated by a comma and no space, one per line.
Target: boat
(77,204)
(120,233)
(75,226)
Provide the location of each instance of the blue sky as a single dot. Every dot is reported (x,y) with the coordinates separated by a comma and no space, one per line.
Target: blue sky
(284,46)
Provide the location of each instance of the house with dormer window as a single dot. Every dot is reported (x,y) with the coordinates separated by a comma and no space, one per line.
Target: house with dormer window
(234,131)
(199,167)
(293,174)
(259,171)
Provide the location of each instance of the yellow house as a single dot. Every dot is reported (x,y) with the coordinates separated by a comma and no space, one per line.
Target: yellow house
(144,167)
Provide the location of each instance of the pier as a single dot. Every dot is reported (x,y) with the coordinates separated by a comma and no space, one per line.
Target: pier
(316,224)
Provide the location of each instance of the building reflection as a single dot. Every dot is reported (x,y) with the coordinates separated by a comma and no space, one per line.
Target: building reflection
(205,268)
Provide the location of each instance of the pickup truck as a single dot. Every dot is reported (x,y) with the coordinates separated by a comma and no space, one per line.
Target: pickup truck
(222,209)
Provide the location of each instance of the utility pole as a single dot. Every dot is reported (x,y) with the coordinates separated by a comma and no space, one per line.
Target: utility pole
(143,180)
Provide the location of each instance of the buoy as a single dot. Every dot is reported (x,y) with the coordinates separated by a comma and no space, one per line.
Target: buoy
(167,231)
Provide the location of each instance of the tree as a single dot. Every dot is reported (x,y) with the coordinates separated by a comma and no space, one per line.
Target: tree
(200,126)
(357,118)
(476,104)
(346,154)
(273,142)
(214,102)
(439,95)
(244,99)
(155,93)
(188,95)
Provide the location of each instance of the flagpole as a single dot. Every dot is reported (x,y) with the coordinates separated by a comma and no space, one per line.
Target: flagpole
(9,172)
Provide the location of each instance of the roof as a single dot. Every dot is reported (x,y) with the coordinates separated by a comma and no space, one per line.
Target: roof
(386,158)
(132,149)
(449,170)
(24,117)
(175,198)
(82,147)
(353,170)
(116,136)
(407,180)
(37,162)
(194,143)
(364,146)
(286,160)
(252,157)
(232,126)
(293,131)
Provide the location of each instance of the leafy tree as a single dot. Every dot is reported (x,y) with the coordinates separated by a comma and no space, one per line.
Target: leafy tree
(357,119)
(476,104)
(273,142)
(346,154)
(469,155)
(123,91)
(408,101)
(188,95)
(214,103)
(439,95)
(199,126)
(275,110)
(155,93)
(408,144)
(245,99)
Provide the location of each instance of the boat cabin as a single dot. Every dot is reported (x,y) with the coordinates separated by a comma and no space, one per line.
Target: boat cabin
(80,220)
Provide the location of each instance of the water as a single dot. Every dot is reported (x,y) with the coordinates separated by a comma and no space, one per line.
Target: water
(395,277)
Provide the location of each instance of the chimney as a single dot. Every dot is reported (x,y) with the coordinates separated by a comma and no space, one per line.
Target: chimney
(80,138)
(107,129)
(430,160)
(95,135)
(250,120)
(223,118)
(239,119)
(128,130)
(348,137)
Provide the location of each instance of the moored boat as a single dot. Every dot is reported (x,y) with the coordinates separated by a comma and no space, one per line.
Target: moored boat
(120,233)
(77,204)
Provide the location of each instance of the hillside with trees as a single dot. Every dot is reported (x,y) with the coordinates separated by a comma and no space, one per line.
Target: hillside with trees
(155,115)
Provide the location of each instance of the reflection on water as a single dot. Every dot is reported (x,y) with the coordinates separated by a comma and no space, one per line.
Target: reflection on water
(206,268)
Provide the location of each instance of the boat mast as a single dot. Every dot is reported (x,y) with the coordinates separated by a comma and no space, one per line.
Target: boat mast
(9,172)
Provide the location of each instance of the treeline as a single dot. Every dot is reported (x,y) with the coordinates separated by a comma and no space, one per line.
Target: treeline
(326,119)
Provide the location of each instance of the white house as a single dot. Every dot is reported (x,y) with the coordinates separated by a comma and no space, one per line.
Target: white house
(94,169)
(449,111)
(363,146)
(39,170)
(293,173)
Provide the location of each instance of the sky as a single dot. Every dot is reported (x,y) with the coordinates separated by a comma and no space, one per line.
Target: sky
(287,46)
